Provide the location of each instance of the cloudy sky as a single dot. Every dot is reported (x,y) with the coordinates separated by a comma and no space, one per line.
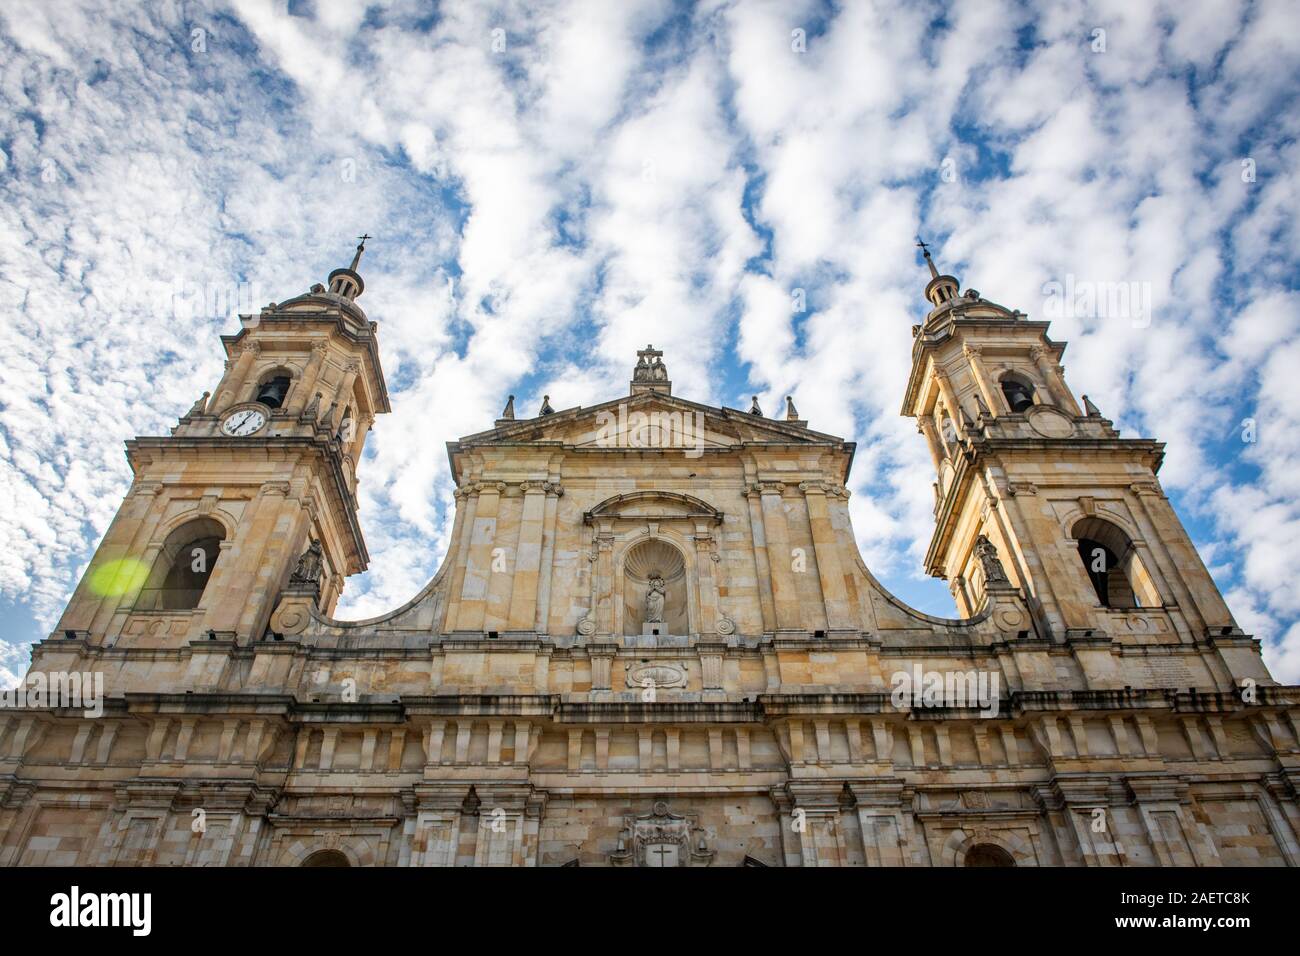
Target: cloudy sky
(552,185)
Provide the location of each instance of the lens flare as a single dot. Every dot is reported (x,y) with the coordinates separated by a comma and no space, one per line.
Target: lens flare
(115,578)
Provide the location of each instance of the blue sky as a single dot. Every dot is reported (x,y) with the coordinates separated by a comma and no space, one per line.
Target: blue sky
(552,185)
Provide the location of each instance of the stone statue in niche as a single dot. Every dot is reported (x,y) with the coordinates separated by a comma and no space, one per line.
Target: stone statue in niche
(987,554)
(654,600)
(309,566)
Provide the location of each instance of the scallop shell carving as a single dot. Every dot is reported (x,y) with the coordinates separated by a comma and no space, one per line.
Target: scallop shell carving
(654,557)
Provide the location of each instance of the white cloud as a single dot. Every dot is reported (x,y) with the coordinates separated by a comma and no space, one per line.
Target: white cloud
(586,190)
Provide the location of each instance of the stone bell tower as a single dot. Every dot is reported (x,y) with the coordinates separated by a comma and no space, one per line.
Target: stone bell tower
(1075,511)
(249,481)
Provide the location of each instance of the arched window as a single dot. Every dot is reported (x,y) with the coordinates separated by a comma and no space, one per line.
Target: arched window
(326,858)
(1113,566)
(1018,392)
(183,566)
(274,389)
(988,854)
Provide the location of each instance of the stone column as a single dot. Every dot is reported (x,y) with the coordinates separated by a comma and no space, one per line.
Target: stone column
(135,512)
(1175,839)
(231,389)
(785,595)
(949,398)
(528,558)
(992,398)
(603,580)
(762,562)
(307,381)
(251,571)
(880,819)
(1054,377)
(1196,592)
(473,596)
(815,823)
(553,494)
(504,559)
(436,838)
(1085,806)
(705,557)
(466,499)
(835,597)
(343,394)
(925,425)
(509,821)
(1018,512)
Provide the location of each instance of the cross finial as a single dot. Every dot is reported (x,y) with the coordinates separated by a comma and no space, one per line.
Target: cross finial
(361,247)
(925,251)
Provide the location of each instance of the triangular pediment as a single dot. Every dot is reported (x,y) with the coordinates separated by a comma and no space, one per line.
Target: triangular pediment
(649,421)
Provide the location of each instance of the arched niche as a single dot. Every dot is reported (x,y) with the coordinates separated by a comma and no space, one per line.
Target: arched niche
(654,585)
(327,858)
(988,854)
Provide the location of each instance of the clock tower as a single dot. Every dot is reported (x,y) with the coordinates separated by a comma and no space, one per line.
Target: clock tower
(256,481)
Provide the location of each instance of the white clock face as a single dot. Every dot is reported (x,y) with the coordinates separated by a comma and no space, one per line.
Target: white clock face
(243,422)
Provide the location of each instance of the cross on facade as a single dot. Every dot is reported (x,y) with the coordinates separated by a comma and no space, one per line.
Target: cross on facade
(662,852)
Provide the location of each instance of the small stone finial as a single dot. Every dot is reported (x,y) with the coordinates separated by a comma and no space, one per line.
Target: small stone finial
(198,407)
(546,407)
(329,414)
(1092,410)
(509,411)
(966,422)
(754,409)
(987,554)
(791,413)
(983,408)
(313,408)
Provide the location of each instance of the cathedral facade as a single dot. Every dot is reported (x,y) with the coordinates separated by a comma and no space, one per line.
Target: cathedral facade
(652,641)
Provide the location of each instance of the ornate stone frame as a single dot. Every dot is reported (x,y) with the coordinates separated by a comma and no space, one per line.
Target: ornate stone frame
(686,523)
(661,826)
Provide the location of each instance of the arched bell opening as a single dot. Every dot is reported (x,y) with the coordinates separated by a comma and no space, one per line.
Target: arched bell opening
(1114,568)
(273,387)
(1018,392)
(183,566)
